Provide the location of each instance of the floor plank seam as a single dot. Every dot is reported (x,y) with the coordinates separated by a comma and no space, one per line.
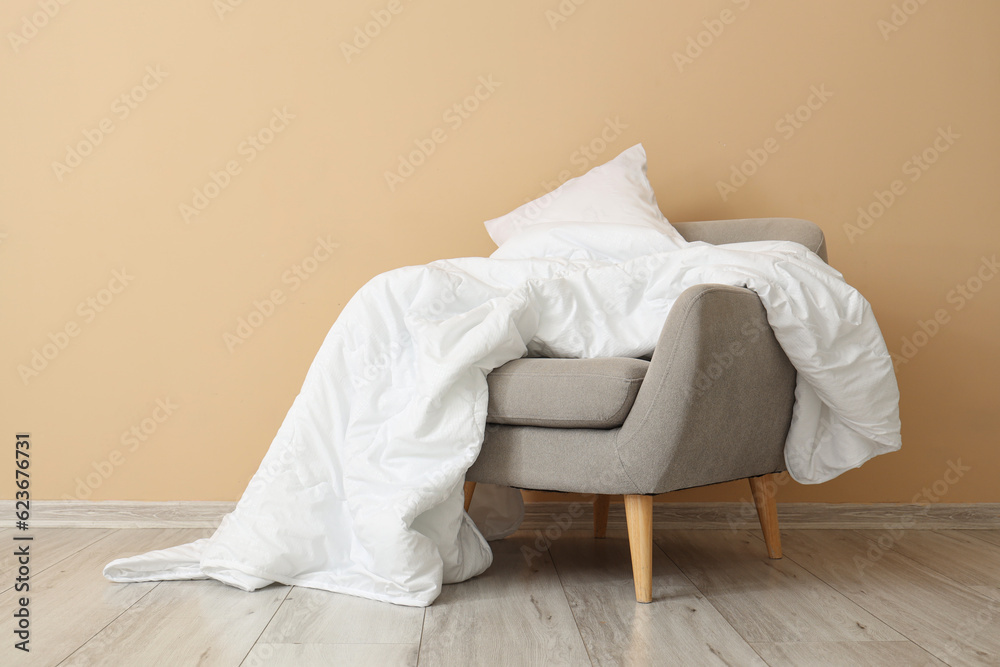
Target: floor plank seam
(420,640)
(108,624)
(111,531)
(754,649)
(572,612)
(944,575)
(973,535)
(277,608)
(706,597)
(867,610)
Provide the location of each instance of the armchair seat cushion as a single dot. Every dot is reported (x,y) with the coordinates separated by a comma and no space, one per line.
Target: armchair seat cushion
(564,393)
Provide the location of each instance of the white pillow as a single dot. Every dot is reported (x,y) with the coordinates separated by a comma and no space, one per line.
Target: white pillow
(615,192)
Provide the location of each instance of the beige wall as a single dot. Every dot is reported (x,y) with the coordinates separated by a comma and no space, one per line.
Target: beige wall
(198,81)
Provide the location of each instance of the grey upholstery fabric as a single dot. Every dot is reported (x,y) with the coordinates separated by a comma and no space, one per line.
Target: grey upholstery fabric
(715,404)
(720,396)
(564,393)
(551,459)
(718,232)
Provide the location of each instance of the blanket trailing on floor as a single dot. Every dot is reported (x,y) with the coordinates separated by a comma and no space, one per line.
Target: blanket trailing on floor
(361,489)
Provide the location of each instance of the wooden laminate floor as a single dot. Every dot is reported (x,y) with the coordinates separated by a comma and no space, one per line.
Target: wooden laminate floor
(839,597)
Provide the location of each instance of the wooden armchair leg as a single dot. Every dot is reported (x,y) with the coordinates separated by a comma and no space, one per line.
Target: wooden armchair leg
(763,489)
(639,519)
(601,502)
(470,488)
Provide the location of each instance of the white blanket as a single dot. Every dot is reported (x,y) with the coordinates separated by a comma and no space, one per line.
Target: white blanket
(361,489)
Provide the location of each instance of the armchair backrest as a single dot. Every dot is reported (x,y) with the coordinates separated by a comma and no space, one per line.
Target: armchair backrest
(755,229)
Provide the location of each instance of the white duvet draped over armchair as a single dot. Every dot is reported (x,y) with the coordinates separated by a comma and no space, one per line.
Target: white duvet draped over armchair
(361,489)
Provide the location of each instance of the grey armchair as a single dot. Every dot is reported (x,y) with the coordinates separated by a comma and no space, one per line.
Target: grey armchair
(713,404)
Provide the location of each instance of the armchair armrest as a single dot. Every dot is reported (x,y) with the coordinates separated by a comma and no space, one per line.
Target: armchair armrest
(755,229)
(716,402)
